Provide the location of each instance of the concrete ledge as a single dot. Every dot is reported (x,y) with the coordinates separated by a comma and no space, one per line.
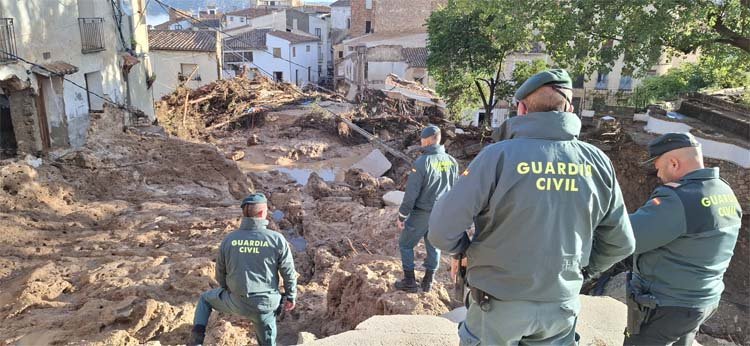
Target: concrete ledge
(711,148)
(601,322)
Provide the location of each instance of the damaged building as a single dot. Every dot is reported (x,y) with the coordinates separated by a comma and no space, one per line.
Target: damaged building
(384,37)
(56,72)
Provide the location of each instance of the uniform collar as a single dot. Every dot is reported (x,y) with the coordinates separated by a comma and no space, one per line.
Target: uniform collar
(702,174)
(545,125)
(253,223)
(433,149)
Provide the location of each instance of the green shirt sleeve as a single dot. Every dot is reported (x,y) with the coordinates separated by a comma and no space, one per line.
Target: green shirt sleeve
(413,189)
(660,221)
(221,269)
(286,268)
(455,210)
(613,236)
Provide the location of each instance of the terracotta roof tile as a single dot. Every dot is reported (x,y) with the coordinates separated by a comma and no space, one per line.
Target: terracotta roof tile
(182,40)
(252,12)
(294,38)
(415,57)
(247,40)
(55,68)
(341,3)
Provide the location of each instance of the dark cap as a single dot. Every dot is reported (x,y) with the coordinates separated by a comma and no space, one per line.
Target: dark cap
(429,131)
(256,198)
(557,77)
(668,142)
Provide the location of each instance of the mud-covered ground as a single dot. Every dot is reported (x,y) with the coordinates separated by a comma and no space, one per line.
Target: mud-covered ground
(113,243)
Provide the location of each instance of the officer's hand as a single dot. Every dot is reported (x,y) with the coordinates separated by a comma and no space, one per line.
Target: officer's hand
(400,224)
(289,305)
(454,269)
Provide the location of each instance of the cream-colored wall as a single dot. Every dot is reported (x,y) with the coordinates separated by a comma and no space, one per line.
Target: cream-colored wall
(58,34)
(166,65)
(140,95)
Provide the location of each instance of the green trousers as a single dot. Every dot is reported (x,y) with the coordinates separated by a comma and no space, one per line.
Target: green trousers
(520,323)
(667,325)
(259,309)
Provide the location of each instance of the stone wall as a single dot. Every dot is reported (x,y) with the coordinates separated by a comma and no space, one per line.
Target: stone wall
(404,16)
(23,114)
(360,15)
(392,15)
(709,115)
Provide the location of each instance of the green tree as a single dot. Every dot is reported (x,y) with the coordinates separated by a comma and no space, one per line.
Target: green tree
(469,40)
(524,70)
(716,71)
(591,35)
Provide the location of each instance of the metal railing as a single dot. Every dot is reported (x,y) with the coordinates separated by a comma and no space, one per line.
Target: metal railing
(7,41)
(92,39)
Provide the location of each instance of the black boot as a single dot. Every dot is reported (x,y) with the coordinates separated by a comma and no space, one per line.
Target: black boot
(409,283)
(427,280)
(197,336)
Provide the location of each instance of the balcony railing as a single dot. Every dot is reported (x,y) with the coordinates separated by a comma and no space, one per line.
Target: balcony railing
(92,39)
(7,41)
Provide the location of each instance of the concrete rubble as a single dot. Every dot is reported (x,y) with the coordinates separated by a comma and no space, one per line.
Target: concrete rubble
(375,163)
(113,242)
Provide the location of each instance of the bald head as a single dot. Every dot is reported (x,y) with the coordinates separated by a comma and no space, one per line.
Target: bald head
(547,99)
(432,140)
(675,164)
(257,210)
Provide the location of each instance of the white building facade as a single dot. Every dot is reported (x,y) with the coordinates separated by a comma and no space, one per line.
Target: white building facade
(77,40)
(191,58)
(280,55)
(341,15)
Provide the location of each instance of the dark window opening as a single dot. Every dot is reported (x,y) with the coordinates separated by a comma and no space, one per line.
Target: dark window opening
(278,76)
(8,145)
(368,27)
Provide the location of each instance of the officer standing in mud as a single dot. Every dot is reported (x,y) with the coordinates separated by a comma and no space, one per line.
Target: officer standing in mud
(247,268)
(685,236)
(433,173)
(548,211)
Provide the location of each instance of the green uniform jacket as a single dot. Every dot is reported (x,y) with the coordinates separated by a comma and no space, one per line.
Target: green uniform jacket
(251,258)
(545,205)
(685,237)
(433,174)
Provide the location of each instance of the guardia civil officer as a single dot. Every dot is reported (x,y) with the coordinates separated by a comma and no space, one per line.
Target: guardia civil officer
(546,206)
(433,173)
(247,268)
(685,236)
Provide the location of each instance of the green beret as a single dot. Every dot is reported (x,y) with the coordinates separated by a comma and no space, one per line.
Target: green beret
(256,198)
(668,142)
(429,131)
(556,77)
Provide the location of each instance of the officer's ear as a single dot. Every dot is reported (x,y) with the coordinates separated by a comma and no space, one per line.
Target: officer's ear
(674,163)
(522,110)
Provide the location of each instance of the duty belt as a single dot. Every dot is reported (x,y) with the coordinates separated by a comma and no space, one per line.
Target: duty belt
(482,298)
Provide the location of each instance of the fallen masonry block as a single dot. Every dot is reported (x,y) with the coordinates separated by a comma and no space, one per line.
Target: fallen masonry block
(375,163)
(393,198)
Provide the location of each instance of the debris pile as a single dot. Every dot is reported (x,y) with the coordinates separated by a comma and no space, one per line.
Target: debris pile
(194,114)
